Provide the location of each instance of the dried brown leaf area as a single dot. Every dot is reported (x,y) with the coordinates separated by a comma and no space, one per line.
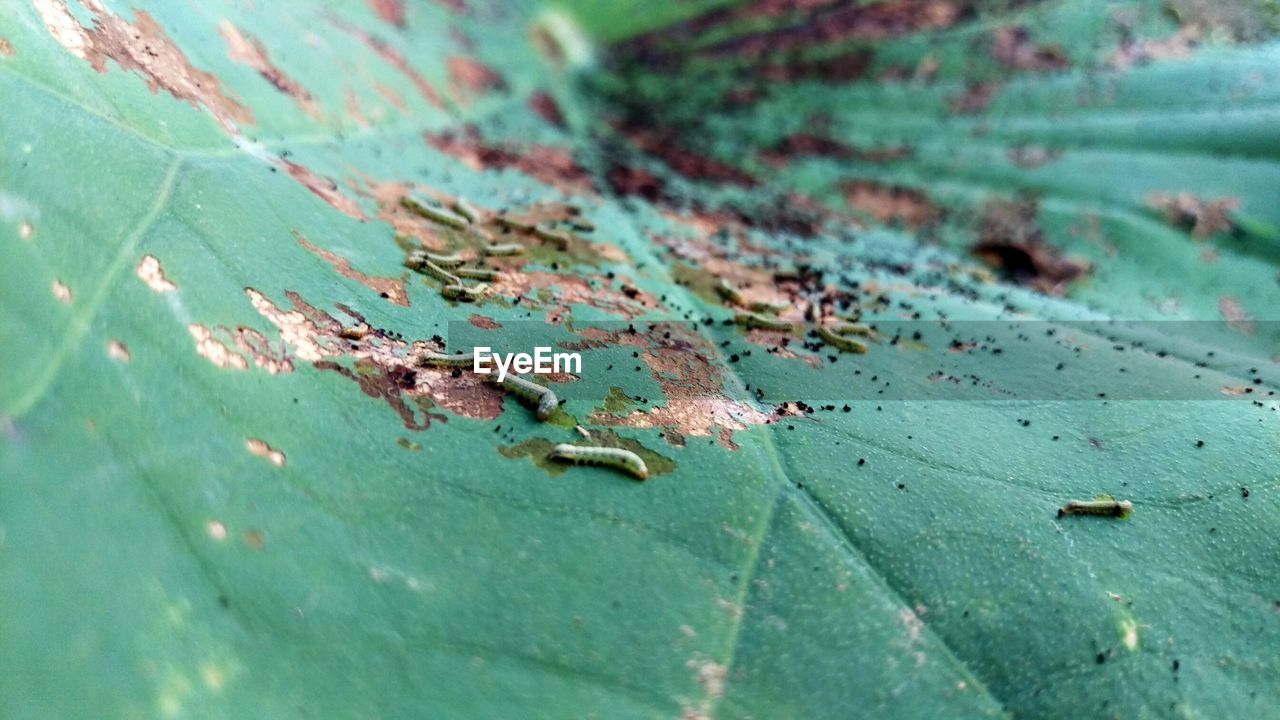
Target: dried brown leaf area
(390,289)
(892,203)
(382,365)
(1010,240)
(683,364)
(245,49)
(1202,217)
(140,47)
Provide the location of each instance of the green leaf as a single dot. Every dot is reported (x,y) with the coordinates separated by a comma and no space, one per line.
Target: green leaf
(228,489)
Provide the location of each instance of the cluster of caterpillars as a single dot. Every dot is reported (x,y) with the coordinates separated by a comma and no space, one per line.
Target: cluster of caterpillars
(764,316)
(545,403)
(450,269)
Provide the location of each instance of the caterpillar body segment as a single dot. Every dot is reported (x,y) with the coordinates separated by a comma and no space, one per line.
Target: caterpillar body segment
(437,214)
(727,291)
(1103,505)
(840,342)
(504,249)
(543,399)
(466,210)
(477,273)
(618,458)
(752,320)
(559,239)
(442,360)
(462,293)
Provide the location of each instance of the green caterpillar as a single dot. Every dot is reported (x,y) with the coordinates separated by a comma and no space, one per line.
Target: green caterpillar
(504,249)
(477,273)
(839,342)
(1104,505)
(624,460)
(752,320)
(462,293)
(544,399)
(438,214)
(441,360)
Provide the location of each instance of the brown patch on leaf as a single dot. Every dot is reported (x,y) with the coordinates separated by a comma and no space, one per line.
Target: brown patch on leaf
(247,50)
(117,350)
(1235,315)
(259,448)
(6,50)
(61,291)
(551,165)
(253,539)
(392,57)
(391,11)
(1032,156)
(150,272)
(681,362)
(558,293)
(324,188)
(891,203)
(214,350)
(1010,240)
(484,323)
(392,289)
(470,75)
(975,99)
(624,181)
(1141,52)
(665,146)
(807,145)
(1014,48)
(842,68)
(547,108)
(1202,217)
(141,47)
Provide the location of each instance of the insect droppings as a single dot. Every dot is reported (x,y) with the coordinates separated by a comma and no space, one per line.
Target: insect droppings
(618,458)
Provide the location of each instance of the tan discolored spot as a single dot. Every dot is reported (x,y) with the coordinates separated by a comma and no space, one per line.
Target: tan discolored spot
(390,11)
(214,351)
(1141,52)
(392,57)
(259,448)
(26,230)
(150,272)
(1235,315)
(247,50)
(216,530)
(554,166)
(1203,218)
(470,76)
(61,291)
(141,47)
(547,108)
(6,49)
(891,203)
(682,363)
(324,188)
(484,323)
(254,539)
(1010,240)
(392,289)
(1014,48)
(975,98)
(117,350)
(351,103)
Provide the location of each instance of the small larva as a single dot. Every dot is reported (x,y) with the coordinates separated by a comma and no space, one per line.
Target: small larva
(441,360)
(839,342)
(504,249)
(355,332)
(624,460)
(418,261)
(445,261)
(477,273)
(1102,505)
(761,306)
(438,214)
(511,224)
(466,210)
(727,291)
(752,320)
(561,240)
(544,397)
(463,293)
(848,328)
